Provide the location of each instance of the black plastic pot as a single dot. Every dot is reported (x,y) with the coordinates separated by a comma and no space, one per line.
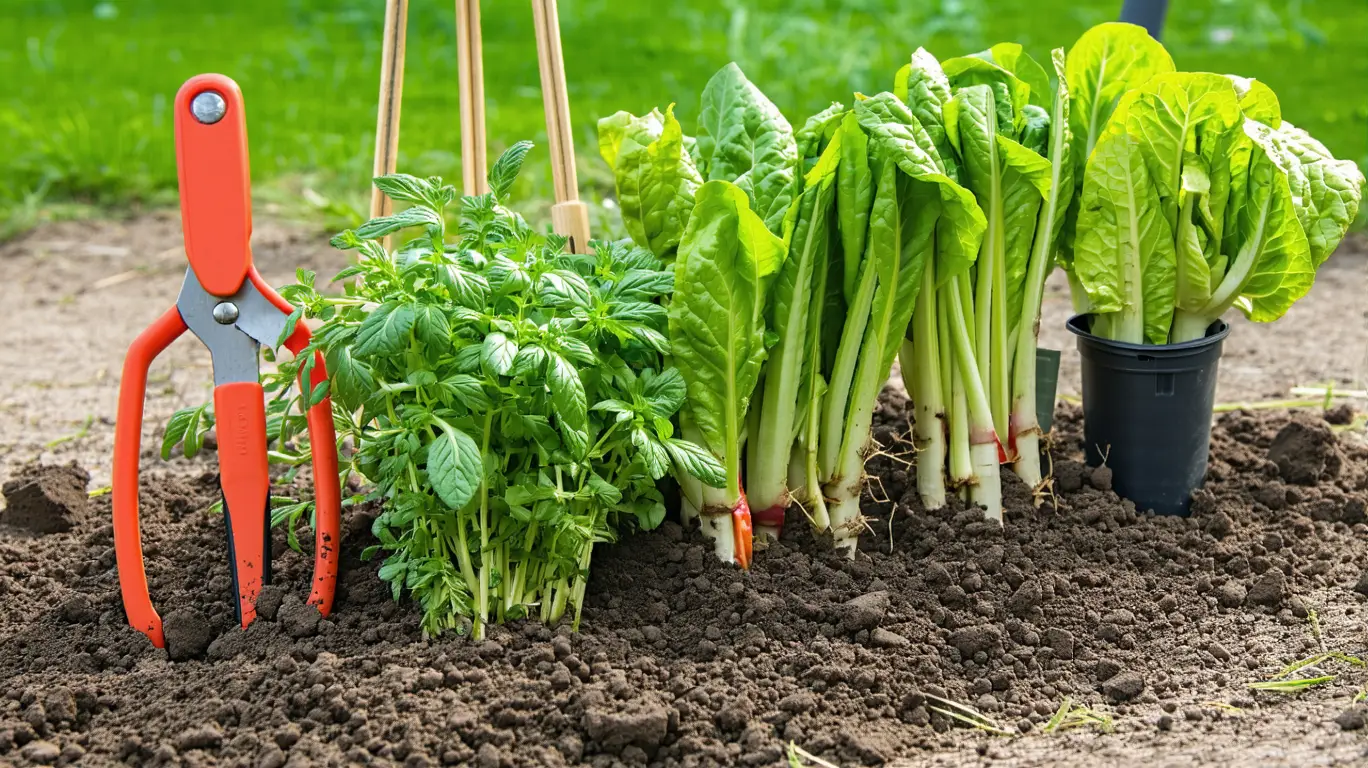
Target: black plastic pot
(1147,413)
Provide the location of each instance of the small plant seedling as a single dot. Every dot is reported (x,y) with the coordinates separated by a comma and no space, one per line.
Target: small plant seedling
(801,758)
(1314,621)
(77,435)
(1283,681)
(1295,685)
(1071,715)
(969,716)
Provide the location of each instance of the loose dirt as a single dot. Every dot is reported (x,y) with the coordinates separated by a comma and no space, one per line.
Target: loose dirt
(1160,624)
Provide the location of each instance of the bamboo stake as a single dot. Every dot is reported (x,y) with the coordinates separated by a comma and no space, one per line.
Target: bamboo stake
(391,94)
(470,68)
(569,216)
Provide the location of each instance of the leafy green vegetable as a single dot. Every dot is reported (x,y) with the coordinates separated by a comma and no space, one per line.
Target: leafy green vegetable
(1107,61)
(655,178)
(1125,254)
(743,138)
(917,210)
(1025,429)
(187,428)
(807,231)
(1192,206)
(717,334)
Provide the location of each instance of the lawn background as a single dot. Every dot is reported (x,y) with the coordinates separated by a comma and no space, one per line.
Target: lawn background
(85,87)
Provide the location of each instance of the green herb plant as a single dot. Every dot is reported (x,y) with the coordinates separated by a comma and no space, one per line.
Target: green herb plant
(509,403)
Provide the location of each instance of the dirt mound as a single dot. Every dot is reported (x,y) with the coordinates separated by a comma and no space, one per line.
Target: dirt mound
(1161,622)
(46,498)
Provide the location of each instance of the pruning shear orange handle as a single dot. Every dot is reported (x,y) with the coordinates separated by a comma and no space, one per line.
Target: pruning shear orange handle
(232,310)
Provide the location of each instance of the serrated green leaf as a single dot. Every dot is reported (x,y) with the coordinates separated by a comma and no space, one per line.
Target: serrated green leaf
(505,169)
(499,353)
(744,139)
(188,426)
(454,465)
(567,393)
(643,285)
(431,328)
(467,288)
(468,391)
(193,439)
(577,351)
(697,461)
(530,361)
(352,381)
(468,359)
(563,288)
(423,378)
(401,187)
(345,240)
(290,323)
(603,490)
(664,392)
(385,331)
(654,456)
(417,216)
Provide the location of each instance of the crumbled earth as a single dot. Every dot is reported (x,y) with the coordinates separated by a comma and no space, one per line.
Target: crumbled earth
(1160,623)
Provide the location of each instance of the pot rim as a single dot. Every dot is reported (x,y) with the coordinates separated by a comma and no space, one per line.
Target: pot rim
(1074,324)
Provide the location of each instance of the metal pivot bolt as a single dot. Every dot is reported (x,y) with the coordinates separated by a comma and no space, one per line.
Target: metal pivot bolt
(225,313)
(208,107)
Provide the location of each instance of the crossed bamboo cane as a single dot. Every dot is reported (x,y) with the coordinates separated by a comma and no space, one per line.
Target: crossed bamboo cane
(569,215)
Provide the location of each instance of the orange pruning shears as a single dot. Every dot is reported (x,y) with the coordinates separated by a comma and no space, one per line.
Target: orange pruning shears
(225,302)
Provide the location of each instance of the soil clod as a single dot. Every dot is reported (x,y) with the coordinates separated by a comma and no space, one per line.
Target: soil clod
(46,498)
(1306,453)
(864,612)
(1124,687)
(187,633)
(1270,590)
(1353,718)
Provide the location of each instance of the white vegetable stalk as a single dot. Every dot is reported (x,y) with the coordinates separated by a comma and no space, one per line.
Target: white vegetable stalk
(801,281)
(805,477)
(921,372)
(960,465)
(844,488)
(990,295)
(1025,424)
(841,465)
(716,520)
(985,451)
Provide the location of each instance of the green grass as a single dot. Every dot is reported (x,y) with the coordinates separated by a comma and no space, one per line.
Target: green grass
(84,110)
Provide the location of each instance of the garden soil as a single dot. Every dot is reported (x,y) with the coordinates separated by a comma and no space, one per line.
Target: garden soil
(1160,624)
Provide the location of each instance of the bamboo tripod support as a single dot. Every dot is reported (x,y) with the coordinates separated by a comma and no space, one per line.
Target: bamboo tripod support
(391,94)
(569,215)
(470,71)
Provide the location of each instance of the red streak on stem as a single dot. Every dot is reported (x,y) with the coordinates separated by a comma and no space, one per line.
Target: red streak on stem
(773,517)
(742,531)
